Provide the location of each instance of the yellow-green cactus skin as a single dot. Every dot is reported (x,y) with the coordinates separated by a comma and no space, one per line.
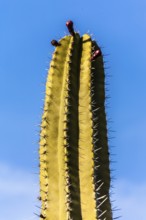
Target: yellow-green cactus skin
(74,155)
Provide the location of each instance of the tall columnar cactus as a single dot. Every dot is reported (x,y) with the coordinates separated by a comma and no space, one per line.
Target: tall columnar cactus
(74,156)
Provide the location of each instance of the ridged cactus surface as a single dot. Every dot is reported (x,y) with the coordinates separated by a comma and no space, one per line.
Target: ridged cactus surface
(74,157)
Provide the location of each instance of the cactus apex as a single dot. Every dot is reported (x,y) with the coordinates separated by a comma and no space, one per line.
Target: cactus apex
(69,25)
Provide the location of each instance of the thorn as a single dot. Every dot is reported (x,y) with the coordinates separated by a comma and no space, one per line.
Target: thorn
(102,213)
(55,43)
(117,217)
(36,214)
(41,216)
(96,54)
(37,207)
(97,149)
(96,167)
(116,209)
(69,25)
(99,187)
(95,134)
(101,197)
(43,191)
(102,202)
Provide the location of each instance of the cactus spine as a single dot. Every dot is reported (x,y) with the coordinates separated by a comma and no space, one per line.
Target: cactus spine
(74,157)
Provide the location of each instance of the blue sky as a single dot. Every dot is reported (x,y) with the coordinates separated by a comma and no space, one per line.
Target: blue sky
(26,29)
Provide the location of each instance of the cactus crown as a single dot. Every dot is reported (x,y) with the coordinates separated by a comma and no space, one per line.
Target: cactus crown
(74,156)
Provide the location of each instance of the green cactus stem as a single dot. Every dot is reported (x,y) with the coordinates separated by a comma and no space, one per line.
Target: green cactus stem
(74,156)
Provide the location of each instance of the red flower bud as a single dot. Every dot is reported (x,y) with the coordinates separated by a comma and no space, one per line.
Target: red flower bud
(69,25)
(55,43)
(96,54)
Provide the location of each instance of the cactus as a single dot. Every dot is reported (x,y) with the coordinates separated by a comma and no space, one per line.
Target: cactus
(74,156)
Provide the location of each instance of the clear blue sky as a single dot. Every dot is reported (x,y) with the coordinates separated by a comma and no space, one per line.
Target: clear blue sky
(26,29)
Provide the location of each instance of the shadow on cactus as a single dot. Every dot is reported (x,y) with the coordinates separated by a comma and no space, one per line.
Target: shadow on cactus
(74,156)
